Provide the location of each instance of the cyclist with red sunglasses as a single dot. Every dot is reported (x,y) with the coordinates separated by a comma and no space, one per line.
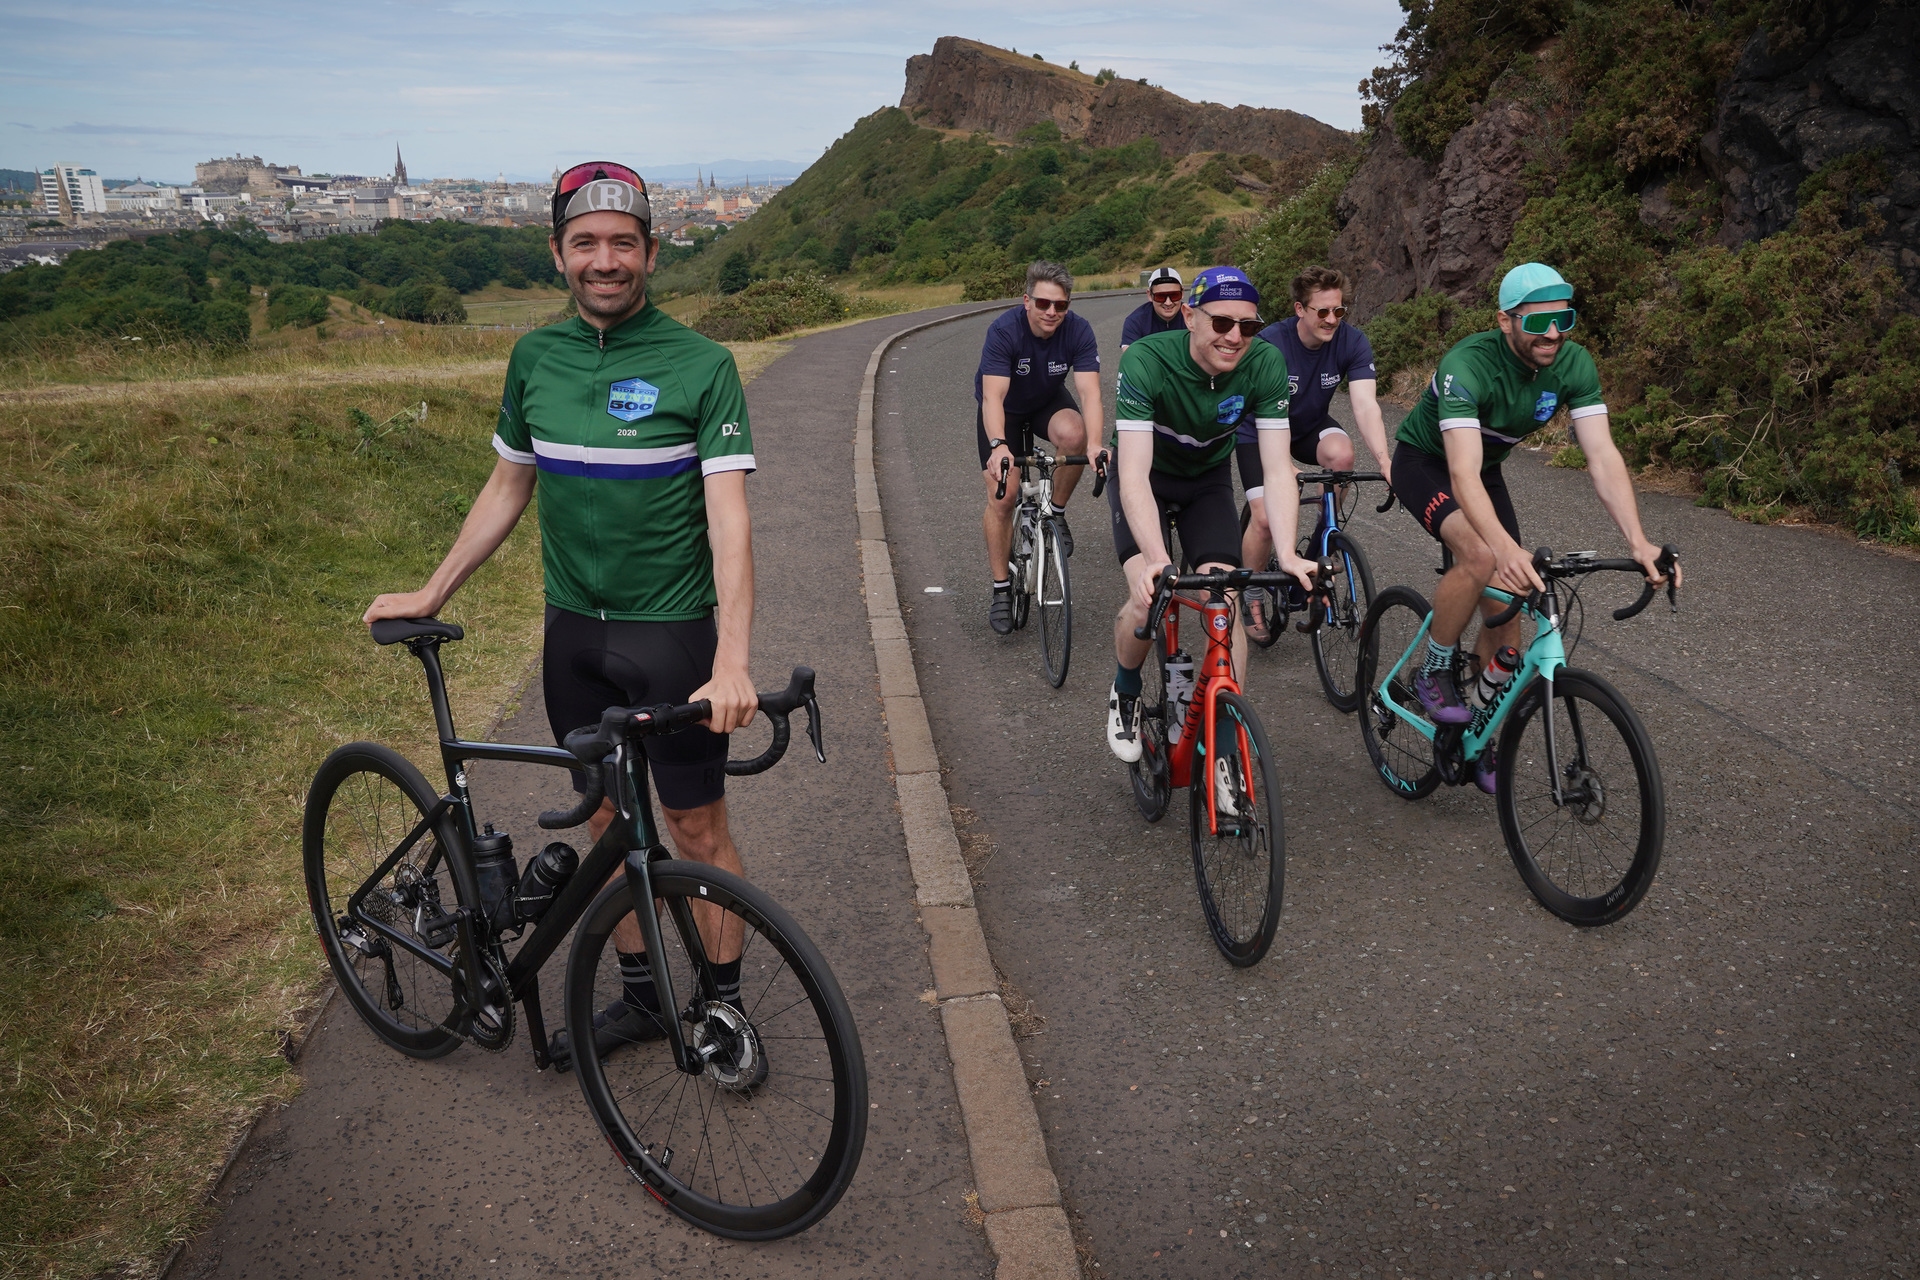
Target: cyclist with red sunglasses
(1021,390)
(633,430)
(1180,398)
(1490,392)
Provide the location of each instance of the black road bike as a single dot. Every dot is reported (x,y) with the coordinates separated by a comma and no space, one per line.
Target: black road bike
(744,1114)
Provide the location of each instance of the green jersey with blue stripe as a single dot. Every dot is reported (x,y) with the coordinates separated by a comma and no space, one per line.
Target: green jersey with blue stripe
(1191,413)
(624,425)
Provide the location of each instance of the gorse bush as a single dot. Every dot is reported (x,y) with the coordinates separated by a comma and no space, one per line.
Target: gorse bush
(771,307)
(296,304)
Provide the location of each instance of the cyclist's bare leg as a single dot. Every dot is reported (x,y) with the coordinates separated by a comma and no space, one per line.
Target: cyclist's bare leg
(1068,431)
(698,835)
(997,522)
(1334,452)
(1460,590)
(1127,650)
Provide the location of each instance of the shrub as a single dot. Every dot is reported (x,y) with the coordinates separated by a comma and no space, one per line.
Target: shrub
(228,324)
(762,310)
(1295,235)
(296,305)
(425,301)
(736,273)
(1414,334)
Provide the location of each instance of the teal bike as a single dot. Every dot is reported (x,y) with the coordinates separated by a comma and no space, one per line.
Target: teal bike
(1581,801)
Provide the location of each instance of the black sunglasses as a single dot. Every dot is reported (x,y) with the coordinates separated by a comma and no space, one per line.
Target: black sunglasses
(1050,304)
(1221,324)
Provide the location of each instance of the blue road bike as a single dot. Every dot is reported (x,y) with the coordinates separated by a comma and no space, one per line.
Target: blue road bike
(1581,801)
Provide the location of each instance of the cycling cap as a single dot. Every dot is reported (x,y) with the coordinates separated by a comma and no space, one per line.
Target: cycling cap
(1163,275)
(1221,284)
(1532,282)
(601,185)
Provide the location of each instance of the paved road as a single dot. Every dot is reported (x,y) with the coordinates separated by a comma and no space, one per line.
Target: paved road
(1429,1075)
(476,1165)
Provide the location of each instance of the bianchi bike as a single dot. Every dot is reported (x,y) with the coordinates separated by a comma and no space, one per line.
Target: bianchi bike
(744,1110)
(1582,804)
(1197,730)
(1037,566)
(1333,619)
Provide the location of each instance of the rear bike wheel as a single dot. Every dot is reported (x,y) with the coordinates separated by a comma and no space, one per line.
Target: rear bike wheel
(1021,563)
(1401,754)
(763,1141)
(1150,775)
(364,804)
(1055,590)
(1591,857)
(1241,871)
(1336,641)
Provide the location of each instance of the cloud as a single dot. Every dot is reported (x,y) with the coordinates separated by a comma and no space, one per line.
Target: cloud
(115,130)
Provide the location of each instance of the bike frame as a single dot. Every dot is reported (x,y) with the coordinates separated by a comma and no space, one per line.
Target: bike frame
(1214,676)
(1035,496)
(1542,659)
(632,839)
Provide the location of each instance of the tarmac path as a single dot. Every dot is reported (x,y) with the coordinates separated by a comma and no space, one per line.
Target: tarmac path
(1429,1075)
(475,1164)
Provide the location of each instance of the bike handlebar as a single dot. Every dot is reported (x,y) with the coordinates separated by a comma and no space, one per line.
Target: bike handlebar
(593,743)
(1349,477)
(1168,583)
(1099,461)
(1574,565)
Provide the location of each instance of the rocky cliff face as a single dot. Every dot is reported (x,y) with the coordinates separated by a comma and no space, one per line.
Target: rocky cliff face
(966,85)
(1785,114)
(1408,226)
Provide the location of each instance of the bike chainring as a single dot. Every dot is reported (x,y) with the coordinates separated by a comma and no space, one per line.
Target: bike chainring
(1447,757)
(492,1025)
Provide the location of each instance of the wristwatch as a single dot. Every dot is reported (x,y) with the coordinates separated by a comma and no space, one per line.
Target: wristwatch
(997,443)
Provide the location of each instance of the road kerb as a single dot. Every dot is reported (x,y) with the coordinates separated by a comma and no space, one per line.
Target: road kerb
(1026,1224)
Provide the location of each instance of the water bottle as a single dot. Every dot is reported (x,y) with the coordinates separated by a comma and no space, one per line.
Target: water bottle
(1486,690)
(546,876)
(1179,694)
(494,868)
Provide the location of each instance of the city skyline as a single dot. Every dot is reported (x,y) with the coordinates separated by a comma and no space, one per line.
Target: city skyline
(475,91)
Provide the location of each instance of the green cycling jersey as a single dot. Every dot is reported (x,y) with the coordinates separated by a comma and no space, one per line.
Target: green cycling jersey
(1191,413)
(624,425)
(1482,385)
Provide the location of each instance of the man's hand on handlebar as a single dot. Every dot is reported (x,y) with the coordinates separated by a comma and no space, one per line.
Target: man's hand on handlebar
(733,699)
(1145,580)
(999,466)
(1513,570)
(1648,556)
(1301,568)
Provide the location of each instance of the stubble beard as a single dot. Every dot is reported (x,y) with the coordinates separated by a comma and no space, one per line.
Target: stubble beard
(604,307)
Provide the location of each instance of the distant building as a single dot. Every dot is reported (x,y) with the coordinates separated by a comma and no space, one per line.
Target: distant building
(67,191)
(399,167)
(142,197)
(230,175)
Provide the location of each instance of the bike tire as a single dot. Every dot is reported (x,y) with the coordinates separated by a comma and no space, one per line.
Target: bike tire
(1240,873)
(1590,862)
(1336,641)
(1402,756)
(745,1160)
(365,799)
(1056,606)
(1150,775)
(1022,566)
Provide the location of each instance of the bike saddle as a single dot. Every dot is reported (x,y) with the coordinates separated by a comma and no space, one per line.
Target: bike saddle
(394,630)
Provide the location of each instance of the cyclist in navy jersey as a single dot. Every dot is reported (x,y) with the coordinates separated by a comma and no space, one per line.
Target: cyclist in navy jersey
(1160,312)
(1322,352)
(1021,388)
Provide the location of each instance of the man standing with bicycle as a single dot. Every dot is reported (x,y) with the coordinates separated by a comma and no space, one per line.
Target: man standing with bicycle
(1180,397)
(1322,352)
(633,429)
(1491,391)
(1021,389)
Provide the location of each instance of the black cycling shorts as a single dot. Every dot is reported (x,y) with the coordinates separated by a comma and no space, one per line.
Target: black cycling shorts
(590,664)
(1303,445)
(1424,486)
(1202,509)
(1023,427)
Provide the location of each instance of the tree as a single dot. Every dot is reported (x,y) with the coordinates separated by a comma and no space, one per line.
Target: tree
(735,273)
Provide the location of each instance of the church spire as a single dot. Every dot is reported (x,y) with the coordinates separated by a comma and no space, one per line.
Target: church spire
(399,167)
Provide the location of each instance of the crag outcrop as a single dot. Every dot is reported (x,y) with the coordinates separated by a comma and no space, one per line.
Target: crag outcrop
(966,85)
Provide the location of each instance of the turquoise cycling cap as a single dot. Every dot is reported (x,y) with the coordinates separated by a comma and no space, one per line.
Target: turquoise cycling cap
(1532,282)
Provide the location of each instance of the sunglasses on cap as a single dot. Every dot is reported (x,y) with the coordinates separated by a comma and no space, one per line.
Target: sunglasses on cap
(1338,313)
(600,185)
(1221,324)
(1050,304)
(1536,322)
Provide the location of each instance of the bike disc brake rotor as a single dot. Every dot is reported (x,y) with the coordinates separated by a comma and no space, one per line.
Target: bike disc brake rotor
(1585,794)
(735,1057)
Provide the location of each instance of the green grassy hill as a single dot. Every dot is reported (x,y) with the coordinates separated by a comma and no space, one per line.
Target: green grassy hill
(896,203)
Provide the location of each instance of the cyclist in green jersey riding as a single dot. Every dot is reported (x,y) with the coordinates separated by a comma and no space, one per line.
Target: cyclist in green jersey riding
(633,430)
(1180,396)
(1490,392)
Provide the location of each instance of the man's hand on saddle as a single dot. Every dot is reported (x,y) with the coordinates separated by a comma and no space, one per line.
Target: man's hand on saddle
(733,697)
(403,604)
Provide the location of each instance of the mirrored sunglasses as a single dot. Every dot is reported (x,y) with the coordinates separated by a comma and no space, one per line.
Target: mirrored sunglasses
(581,174)
(1536,322)
(1165,297)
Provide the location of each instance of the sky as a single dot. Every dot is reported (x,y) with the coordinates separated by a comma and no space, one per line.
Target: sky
(474,88)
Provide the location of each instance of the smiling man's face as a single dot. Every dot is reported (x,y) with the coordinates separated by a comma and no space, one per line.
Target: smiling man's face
(606,259)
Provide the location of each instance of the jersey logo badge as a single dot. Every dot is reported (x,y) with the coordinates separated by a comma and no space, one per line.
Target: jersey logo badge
(1230,409)
(632,399)
(1329,380)
(1543,410)
(1293,384)
(1024,367)
(1055,369)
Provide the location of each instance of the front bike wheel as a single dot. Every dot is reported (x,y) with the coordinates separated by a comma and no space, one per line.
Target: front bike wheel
(1056,606)
(1336,641)
(763,1141)
(365,803)
(1241,870)
(1590,856)
(1150,774)
(1022,565)
(1402,755)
